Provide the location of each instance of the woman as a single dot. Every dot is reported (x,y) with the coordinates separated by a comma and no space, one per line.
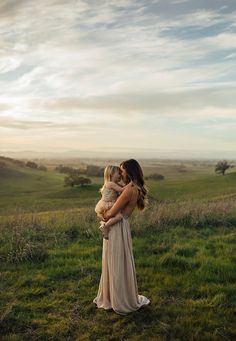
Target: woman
(118,288)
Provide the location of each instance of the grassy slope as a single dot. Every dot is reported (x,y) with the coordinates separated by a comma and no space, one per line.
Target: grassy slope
(42,191)
(190,284)
(194,187)
(188,273)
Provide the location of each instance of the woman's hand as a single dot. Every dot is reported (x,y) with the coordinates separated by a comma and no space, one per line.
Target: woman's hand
(106,215)
(100,217)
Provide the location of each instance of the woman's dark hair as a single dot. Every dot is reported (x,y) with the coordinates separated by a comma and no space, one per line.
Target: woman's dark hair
(135,174)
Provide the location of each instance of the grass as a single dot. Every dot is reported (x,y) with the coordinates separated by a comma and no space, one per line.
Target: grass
(43,191)
(184,250)
(194,187)
(186,271)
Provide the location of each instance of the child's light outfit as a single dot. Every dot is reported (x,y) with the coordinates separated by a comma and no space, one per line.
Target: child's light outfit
(109,197)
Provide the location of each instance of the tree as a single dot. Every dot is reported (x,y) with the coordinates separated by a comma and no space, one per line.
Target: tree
(93,170)
(222,166)
(75,180)
(83,181)
(69,181)
(68,170)
(43,168)
(31,164)
(155,176)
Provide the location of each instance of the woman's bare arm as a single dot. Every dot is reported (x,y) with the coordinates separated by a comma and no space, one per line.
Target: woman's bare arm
(120,203)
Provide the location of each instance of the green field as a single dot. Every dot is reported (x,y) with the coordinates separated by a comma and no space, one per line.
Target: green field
(184,249)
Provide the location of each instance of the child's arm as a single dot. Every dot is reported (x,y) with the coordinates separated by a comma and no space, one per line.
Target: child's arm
(116,187)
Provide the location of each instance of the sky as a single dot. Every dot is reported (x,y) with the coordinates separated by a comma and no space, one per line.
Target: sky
(133,78)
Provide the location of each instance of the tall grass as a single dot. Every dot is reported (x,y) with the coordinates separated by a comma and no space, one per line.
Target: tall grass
(189,214)
(27,236)
(52,265)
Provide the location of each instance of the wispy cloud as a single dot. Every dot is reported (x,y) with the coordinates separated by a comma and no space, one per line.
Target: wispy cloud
(8,122)
(151,102)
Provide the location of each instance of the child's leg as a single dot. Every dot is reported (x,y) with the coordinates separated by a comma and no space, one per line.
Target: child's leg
(109,223)
(100,216)
(114,220)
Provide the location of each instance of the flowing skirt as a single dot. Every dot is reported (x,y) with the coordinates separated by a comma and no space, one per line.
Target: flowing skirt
(118,288)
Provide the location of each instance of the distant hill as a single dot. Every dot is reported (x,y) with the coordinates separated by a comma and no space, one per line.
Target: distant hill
(121,154)
(11,160)
(10,167)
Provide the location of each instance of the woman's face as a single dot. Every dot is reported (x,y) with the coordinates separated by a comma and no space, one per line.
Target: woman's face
(124,174)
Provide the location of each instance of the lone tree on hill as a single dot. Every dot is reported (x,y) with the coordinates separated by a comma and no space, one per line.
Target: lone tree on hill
(222,166)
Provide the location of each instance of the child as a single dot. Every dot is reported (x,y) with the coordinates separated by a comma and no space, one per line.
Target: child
(110,192)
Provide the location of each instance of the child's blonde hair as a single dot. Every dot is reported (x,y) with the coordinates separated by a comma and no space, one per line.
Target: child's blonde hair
(108,172)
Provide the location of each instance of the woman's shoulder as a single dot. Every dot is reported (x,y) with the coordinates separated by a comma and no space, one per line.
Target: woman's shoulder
(133,186)
(131,189)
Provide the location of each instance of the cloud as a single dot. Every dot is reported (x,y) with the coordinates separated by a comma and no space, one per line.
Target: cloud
(4,106)
(150,102)
(82,67)
(53,125)
(9,122)
(90,58)
(9,64)
(10,8)
(174,2)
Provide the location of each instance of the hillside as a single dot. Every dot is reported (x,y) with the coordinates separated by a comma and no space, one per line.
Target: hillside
(30,189)
(11,168)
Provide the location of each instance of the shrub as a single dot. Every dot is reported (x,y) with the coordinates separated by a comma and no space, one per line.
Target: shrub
(94,170)
(31,164)
(155,176)
(68,170)
(74,180)
(43,168)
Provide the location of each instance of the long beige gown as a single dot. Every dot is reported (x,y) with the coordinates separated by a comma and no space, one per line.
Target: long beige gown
(118,288)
